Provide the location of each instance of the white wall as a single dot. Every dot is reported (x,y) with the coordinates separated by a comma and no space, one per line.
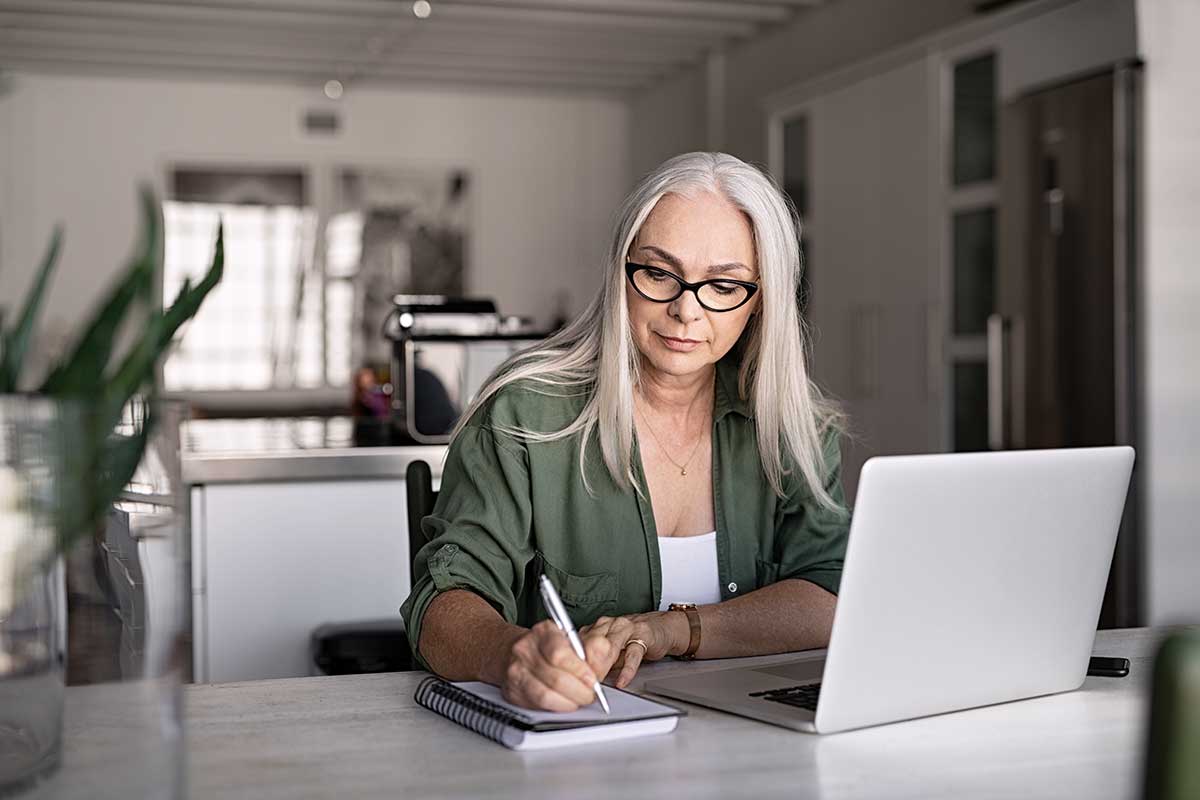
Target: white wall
(1169,38)
(547,171)
(668,119)
(16,248)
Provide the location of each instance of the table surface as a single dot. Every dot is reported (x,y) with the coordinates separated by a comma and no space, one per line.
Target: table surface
(363,736)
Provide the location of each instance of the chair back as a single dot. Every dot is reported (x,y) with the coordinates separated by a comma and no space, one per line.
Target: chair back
(418,481)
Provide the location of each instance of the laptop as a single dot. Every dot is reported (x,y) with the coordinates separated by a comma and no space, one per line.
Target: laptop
(969,579)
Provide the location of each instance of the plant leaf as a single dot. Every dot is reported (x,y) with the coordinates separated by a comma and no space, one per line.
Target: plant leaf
(89,359)
(121,456)
(96,463)
(153,239)
(138,367)
(16,341)
(97,475)
(188,301)
(135,371)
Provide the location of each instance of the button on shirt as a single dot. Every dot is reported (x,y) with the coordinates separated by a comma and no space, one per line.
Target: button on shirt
(509,510)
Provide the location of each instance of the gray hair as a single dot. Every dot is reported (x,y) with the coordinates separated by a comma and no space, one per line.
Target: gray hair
(595,356)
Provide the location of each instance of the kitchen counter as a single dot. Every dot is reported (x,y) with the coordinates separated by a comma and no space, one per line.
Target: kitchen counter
(291,449)
(294,523)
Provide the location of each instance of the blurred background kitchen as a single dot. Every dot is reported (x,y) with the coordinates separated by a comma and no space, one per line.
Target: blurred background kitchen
(1000,199)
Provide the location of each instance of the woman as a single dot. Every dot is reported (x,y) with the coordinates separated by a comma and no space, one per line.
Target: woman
(710,474)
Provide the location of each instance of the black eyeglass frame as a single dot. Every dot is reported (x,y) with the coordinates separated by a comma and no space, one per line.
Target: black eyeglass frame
(632,269)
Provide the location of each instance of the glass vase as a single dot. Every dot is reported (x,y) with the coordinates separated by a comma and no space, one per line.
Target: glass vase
(120,593)
(32,598)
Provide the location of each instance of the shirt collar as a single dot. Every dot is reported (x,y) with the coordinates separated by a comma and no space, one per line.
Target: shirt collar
(727,396)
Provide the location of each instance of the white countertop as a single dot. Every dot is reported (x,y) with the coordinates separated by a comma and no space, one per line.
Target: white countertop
(291,449)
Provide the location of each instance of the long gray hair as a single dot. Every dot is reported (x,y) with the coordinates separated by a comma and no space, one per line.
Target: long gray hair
(595,356)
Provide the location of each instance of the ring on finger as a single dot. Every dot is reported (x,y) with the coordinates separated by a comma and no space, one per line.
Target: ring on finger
(645,647)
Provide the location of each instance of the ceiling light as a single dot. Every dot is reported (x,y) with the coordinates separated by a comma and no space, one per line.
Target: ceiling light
(422,9)
(333,89)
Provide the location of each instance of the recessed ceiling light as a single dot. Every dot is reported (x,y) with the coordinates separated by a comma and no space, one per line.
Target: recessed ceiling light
(334,89)
(422,9)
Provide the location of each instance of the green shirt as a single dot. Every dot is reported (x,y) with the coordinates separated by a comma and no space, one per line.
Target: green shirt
(510,509)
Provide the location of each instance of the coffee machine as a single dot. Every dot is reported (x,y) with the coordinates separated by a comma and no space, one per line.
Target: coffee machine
(443,349)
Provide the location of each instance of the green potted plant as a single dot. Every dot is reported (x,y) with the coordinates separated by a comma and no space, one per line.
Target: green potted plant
(65,456)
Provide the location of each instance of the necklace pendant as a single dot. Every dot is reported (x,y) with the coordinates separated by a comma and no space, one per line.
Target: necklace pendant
(683,471)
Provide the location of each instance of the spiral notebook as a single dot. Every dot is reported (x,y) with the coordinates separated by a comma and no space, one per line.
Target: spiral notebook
(480,707)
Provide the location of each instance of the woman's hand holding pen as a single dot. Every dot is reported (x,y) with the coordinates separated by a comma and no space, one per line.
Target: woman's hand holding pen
(637,638)
(543,671)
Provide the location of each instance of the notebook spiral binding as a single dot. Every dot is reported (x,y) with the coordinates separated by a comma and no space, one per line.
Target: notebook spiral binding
(486,719)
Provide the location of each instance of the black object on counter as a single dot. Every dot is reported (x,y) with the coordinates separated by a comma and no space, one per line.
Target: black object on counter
(1105,667)
(372,432)
(379,645)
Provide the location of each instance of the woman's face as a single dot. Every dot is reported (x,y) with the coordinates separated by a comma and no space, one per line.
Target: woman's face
(696,238)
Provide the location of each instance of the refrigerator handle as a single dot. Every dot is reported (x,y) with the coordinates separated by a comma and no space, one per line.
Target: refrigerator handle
(997,334)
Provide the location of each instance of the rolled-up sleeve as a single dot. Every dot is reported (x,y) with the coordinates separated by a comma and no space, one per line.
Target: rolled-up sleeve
(810,540)
(478,536)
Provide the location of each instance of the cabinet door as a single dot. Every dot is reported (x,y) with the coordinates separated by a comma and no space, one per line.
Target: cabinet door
(874,279)
(277,560)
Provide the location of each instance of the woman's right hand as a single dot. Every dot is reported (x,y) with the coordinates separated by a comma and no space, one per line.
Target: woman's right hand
(543,672)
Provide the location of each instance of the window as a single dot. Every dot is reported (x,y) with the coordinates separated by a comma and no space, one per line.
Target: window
(975,120)
(974,253)
(971,245)
(306,286)
(796,187)
(795,162)
(970,406)
(255,331)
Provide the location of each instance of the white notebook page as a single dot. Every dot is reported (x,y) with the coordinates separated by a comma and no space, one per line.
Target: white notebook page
(623,704)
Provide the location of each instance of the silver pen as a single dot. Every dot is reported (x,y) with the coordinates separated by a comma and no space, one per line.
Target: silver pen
(558,613)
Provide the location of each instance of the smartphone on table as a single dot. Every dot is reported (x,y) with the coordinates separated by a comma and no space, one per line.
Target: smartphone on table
(1106,667)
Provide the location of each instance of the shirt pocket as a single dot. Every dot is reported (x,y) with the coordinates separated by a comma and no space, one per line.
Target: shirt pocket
(585,596)
(766,572)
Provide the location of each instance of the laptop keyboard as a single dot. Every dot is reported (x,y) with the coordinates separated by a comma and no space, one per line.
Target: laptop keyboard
(800,696)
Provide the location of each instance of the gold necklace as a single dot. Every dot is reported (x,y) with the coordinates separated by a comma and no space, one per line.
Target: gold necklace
(681,467)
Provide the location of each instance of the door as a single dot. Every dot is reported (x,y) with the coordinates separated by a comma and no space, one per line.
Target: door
(1060,355)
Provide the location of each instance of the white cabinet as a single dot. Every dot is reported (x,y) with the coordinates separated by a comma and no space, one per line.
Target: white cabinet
(272,561)
(869,237)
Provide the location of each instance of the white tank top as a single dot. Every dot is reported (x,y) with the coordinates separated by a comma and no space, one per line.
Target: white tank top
(689,570)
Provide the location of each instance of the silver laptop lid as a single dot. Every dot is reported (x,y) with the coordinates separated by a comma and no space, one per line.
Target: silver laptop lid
(971,579)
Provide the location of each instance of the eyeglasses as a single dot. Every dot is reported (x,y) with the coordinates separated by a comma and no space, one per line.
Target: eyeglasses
(659,286)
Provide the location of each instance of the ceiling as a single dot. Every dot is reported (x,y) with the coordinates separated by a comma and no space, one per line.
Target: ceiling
(575,45)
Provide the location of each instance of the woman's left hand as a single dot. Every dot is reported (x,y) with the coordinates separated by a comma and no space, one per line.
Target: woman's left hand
(659,631)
